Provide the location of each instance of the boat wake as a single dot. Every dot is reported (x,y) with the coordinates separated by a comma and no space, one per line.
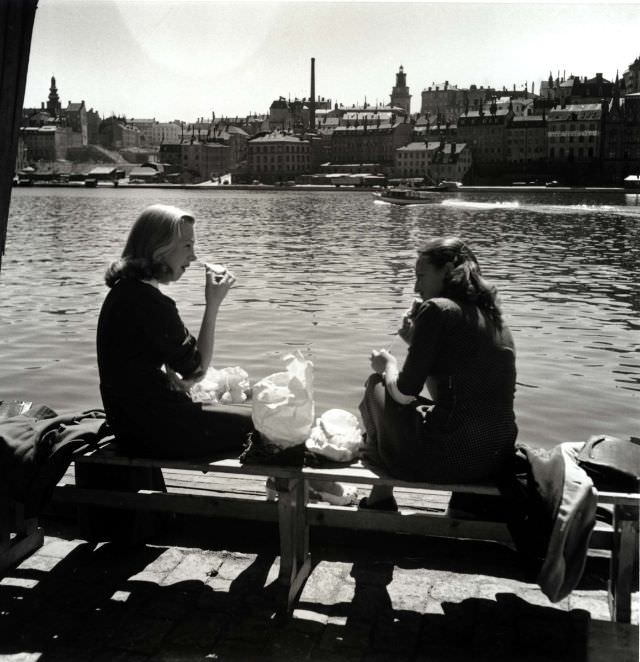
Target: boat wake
(630,210)
(470,204)
(586,209)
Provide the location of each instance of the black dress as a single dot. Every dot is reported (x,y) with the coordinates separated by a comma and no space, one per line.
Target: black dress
(467,432)
(139,332)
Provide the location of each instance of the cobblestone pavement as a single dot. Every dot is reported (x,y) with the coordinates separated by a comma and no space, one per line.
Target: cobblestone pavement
(370,598)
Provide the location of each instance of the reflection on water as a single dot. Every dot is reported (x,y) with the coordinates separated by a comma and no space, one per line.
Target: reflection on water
(330,273)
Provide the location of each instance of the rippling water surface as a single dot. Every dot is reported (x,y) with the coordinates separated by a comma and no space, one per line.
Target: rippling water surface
(330,273)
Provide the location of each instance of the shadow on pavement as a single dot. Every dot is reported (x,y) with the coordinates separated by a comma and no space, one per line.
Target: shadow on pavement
(115,603)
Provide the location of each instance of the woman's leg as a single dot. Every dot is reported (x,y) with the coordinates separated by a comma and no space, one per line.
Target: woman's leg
(226,427)
(372,413)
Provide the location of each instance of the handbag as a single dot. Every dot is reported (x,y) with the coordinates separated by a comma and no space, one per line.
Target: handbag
(612,463)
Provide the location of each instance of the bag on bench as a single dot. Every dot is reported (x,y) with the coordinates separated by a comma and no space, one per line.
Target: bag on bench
(613,464)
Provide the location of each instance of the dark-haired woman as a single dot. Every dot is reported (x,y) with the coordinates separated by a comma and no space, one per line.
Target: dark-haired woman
(148,360)
(461,350)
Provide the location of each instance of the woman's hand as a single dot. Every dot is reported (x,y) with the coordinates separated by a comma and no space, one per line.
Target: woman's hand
(382,361)
(176,383)
(407,325)
(218,282)
(406,329)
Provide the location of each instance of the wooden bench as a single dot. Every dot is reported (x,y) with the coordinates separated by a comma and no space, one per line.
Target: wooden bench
(620,539)
(295,514)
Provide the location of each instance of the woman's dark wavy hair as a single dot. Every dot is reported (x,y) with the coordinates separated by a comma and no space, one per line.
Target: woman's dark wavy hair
(464,282)
(151,238)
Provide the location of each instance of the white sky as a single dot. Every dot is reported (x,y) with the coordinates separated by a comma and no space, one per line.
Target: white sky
(183,59)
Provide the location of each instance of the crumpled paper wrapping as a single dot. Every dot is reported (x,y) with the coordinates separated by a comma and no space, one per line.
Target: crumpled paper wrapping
(227,385)
(336,436)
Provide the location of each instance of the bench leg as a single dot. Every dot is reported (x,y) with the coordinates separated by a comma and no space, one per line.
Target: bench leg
(295,560)
(28,535)
(624,559)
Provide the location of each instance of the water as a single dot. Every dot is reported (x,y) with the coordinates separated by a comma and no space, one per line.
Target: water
(330,273)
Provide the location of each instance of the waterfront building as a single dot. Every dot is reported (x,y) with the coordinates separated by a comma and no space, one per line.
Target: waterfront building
(144,126)
(236,139)
(556,91)
(36,116)
(412,160)
(484,131)
(277,156)
(448,161)
(165,132)
(400,96)
(76,120)
(44,143)
(433,160)
(114,133)
(171,155)
(423,129)
(576,90)
(370,138)
(573,133)
(592,90)
(444,102)
(202,161)
(621,138)
(325,126)
(107,173)
(139,154)
(631,77)
(147,173)
(93,126)
(519,105)
(526,151)
(295,116)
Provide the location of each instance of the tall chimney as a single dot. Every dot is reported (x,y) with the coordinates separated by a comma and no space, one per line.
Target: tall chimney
(312,100)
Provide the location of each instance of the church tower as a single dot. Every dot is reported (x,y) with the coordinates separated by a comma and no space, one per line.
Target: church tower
(400,93)
(53,104)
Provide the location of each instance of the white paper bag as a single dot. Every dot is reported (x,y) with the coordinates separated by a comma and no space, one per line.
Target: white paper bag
(282,403)
(336,435)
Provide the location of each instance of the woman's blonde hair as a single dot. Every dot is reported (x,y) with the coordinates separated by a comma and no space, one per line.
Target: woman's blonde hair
(150,239)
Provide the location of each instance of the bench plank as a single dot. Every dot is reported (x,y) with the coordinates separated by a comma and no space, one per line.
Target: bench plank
(357,473)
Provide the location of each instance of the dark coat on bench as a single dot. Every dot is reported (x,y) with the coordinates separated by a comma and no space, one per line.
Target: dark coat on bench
(35,452)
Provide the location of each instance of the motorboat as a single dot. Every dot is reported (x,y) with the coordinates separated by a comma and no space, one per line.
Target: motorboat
(409,196)
(449,185)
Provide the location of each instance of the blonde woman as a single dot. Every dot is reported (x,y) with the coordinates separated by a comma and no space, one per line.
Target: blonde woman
(147,359)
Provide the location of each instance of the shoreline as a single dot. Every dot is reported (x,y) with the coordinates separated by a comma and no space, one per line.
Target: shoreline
(330,187)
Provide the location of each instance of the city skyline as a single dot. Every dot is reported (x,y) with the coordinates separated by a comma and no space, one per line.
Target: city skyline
(145,58)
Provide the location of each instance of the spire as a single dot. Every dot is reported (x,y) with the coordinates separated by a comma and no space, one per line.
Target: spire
(53,104)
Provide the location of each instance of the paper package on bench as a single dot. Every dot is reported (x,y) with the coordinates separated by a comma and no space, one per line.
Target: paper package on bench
(336,436)
(283,408)
(227,385)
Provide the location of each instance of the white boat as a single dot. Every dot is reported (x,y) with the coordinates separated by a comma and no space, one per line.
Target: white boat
(409,196)
(449,185)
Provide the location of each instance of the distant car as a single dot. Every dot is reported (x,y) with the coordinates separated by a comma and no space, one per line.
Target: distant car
(90,181)
(553,183)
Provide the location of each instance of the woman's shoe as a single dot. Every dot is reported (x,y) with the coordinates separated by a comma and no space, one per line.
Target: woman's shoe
(334,493)
(270,489)
(389,504)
